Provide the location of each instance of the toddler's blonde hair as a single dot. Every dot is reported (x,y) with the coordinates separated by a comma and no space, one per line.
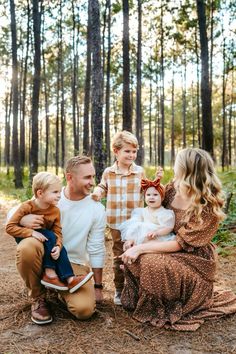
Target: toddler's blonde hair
(43,180)
(124,137)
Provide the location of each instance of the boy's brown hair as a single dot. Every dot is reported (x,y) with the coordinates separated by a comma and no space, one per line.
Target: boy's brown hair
(122,138)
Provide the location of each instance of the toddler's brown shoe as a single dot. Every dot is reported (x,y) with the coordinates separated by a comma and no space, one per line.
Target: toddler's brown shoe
(78,281)
(53,283)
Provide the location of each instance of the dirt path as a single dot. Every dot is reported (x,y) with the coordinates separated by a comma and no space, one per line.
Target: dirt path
(106,332)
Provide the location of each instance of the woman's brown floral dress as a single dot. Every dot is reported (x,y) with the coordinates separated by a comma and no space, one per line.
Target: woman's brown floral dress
(175,290)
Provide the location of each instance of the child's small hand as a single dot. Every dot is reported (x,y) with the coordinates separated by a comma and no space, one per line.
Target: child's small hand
(128,244)
(55,252)
(159,172)
(152,235)
(96,196)
(39,236)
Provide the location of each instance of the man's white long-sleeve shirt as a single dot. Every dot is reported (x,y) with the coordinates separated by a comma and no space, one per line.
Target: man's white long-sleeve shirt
(83,228)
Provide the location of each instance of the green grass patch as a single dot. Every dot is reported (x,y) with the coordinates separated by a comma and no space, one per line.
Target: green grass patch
(8,190)
(224,238)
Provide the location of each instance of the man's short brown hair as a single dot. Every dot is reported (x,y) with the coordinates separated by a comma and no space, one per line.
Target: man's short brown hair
(75,161)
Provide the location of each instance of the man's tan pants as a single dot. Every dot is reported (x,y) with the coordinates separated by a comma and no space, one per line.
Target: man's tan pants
(29,257)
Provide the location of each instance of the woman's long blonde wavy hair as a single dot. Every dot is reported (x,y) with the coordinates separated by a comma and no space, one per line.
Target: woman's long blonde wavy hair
(195,173)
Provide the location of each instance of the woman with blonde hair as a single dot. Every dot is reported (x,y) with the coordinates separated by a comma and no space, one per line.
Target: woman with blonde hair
(170,283)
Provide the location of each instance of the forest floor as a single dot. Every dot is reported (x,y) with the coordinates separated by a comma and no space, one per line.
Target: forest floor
(110,329)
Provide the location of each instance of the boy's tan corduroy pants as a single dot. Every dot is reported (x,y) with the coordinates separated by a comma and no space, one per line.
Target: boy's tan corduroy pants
(117,250)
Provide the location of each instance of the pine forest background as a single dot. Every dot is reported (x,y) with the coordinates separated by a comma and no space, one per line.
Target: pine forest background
(75,72)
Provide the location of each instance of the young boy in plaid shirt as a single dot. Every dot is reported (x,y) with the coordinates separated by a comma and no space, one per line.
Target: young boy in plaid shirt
(121,184)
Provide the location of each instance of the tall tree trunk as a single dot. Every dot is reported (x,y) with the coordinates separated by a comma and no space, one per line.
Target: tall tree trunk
(150,116)
(115,110)
(15,147)
(157,115)
(46,99)
(36,89)
(104,16)
(184,97)
(211,40)
(139,118)
(58,106)
(8,100)
(224,161)
(74,81)
(159,127)
(230,119)
(97,93)
(87,87)
(162,103)
(172,158)
(108,88)
(207,129)
(198,92)
(24,91)
(193,114)
(62,108)
(127,118)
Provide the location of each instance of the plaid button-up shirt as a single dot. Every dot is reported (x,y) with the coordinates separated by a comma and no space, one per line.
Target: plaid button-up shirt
(123,192)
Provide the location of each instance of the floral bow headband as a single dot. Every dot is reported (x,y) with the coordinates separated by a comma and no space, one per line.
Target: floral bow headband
(146,183)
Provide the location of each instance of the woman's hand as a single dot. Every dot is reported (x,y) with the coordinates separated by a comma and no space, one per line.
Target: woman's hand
(130,255)
(128,244)
(55,252)
(152,246)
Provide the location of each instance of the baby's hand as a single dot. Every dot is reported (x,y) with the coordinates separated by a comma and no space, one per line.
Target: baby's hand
(55,252)
(151,235)
(39,236)
(128,244)
(159,172)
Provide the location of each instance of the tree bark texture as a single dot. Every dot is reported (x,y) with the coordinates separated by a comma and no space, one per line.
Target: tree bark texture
(15,99)
(207,129)
(139,118)
(87,88)
(36,89)
(127,117)
(97,92)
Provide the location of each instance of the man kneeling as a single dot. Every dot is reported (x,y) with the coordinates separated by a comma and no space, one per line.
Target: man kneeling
(83,224)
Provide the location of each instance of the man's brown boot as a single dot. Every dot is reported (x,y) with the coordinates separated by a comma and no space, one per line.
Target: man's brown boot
(40,313)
